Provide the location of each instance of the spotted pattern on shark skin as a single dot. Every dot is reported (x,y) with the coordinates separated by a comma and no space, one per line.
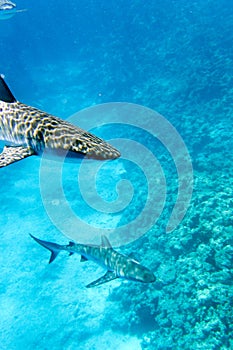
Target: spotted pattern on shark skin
(32,128)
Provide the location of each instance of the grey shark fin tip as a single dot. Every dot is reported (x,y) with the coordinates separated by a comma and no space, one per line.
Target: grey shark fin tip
(5,93)
(83,258)
(53,256)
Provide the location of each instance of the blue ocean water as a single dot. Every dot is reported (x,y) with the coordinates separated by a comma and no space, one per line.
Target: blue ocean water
(175,58)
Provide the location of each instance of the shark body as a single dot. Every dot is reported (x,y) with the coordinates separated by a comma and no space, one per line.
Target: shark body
(8,9)
(117,264)
(29,131)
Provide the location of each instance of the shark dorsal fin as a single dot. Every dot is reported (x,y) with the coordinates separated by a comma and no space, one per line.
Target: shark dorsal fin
(5,93)
(105,242)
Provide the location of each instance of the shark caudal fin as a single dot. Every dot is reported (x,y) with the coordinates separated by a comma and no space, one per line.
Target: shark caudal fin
(53,247)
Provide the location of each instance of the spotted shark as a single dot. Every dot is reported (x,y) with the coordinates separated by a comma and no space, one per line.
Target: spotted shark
(117,264)
(28,131)
(8,9)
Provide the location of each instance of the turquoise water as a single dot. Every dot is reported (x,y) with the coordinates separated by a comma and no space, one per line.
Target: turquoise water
(175,58)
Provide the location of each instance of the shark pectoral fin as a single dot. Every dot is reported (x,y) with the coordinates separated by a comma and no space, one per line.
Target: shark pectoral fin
(12,154)
(83,258)
(109,276)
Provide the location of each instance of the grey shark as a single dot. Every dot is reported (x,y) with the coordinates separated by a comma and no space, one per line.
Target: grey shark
(27,131)
(117,264)
(8,9)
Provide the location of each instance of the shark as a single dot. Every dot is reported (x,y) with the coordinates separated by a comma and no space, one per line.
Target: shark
(28,131)
(8,9)
(117,264)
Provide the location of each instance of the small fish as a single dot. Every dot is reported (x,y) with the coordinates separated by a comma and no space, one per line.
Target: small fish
(8,9)
(117,264)
(29,131)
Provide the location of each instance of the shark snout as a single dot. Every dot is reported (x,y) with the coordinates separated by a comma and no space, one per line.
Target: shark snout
(139,273)
(102,153)
(149,277)
(143,274)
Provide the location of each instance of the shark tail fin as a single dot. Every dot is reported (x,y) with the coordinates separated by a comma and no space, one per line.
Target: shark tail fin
(53,247)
